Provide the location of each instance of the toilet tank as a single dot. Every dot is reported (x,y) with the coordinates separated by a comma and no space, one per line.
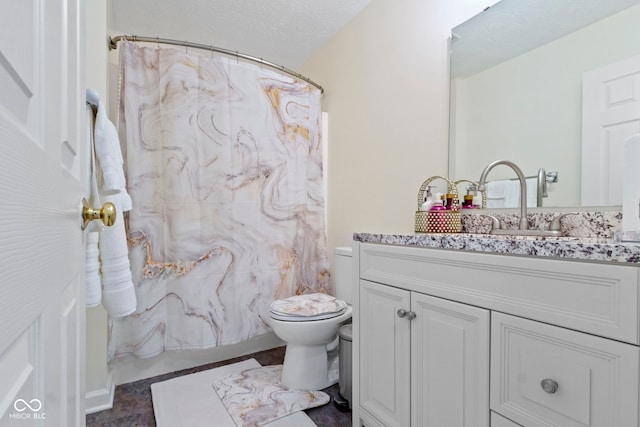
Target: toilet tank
(342,278)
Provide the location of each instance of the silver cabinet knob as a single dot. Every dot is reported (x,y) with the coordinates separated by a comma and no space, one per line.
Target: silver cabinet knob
(548,385)
(408,314)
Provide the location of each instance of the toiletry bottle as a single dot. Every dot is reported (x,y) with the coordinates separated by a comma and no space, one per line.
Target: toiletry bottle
(428,200)
(437,206)
(455,203)
(468,201)
(437,217)
(477,201)
(449,203)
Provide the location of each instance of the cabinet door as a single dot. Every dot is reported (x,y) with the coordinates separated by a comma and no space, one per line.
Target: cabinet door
(449,363)
(543,375)
(384,354)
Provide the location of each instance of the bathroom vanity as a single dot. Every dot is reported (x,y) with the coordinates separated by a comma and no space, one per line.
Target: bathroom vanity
(456,330)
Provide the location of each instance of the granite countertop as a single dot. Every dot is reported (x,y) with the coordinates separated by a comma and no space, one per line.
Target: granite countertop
(575,248)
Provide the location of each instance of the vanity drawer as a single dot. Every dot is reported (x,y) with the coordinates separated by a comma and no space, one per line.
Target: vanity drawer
(600,299)
(587,380)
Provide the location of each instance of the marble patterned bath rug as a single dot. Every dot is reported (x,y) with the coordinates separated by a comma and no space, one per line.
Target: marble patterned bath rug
(190,400)
(255,397)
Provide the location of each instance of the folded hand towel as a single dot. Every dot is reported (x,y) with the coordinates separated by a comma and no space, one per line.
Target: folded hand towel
(532,192)
(496,191)
(93,293)
(505,193)
(119,296)
(109,157)
(117,289)
(117,300)
(93,285)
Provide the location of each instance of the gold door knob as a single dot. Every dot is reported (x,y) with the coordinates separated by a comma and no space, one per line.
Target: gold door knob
(107,214)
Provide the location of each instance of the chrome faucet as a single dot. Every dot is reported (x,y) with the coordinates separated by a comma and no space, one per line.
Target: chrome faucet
(523,230)
(524,224)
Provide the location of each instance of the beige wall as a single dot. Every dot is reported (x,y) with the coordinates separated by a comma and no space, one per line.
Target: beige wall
(386,80)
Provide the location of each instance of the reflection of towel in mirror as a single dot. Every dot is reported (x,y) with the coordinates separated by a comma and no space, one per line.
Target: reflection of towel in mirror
(505,193)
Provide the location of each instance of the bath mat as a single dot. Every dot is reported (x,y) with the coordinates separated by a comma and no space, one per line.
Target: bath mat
(190,400)
(255,397)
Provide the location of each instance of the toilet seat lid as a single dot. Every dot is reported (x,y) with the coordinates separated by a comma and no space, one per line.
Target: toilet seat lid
(294,318)
(307,307)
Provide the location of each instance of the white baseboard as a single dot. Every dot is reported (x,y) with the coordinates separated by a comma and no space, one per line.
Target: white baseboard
(129,369)
(101,399)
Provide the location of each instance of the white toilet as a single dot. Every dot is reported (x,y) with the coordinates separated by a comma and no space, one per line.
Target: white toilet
(310,361)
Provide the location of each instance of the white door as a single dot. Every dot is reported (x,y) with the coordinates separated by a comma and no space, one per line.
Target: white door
(610,114)
(41,249)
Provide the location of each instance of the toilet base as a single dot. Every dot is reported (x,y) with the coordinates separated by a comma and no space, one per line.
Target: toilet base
(306,367)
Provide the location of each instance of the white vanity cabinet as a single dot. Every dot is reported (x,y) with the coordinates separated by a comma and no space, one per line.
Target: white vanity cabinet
(406,337)
(493,340)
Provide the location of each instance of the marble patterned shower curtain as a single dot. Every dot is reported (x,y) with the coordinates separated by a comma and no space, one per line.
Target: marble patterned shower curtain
(224,166)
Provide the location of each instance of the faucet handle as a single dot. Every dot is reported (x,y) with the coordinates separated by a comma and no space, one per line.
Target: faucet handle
(495,222)
(555,222)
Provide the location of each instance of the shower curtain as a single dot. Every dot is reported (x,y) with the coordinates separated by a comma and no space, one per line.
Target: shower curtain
(224,166)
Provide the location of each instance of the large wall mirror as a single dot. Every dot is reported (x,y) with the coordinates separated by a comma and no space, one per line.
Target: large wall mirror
(517,87)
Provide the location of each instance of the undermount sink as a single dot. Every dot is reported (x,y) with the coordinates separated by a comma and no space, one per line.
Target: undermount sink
(527,232)
(541,236)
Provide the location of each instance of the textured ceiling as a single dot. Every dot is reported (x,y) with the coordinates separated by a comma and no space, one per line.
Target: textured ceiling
(512,27)
(285,32)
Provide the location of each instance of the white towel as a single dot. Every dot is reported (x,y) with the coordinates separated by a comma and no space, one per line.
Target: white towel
(118,292)
(93,294)
(109,157)
(532,192)
(497,193)
(505,193)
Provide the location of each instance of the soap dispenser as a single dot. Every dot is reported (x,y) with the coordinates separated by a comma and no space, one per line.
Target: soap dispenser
(438,206)
(428,200)
(437,217)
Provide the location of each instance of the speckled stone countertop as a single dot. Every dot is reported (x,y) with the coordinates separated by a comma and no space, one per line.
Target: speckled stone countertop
(575,248)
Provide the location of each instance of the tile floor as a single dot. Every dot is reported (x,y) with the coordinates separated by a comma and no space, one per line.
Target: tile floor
(132,404)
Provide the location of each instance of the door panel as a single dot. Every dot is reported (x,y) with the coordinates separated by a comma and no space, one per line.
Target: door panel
(41,256)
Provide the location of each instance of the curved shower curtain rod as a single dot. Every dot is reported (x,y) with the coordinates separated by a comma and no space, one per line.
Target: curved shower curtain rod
(113,44)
